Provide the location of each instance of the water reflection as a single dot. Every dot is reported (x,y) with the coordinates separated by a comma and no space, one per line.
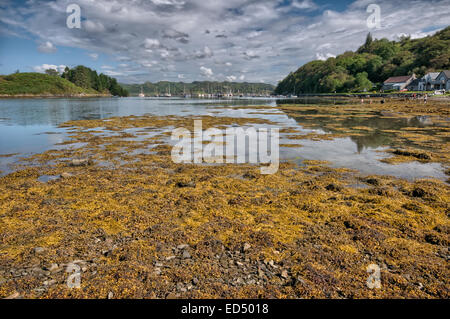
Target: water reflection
(30,126)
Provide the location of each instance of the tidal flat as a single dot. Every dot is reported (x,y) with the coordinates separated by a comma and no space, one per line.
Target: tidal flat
(140,226)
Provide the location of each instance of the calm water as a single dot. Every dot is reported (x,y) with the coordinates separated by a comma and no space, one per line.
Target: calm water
(29,126)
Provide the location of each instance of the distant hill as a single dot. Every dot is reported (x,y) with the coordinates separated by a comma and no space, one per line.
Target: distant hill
(179,88)
(39,84)
(371,65)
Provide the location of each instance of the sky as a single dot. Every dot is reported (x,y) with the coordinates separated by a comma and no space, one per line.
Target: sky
(195,40)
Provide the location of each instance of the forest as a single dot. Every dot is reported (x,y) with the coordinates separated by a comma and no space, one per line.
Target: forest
(367,68)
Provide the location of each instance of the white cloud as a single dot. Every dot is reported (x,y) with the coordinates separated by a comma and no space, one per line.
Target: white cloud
(265,39)
(94,56)
(206,72)
(92,26)
(44,67)
(305,4)
(46,47)
(151,43)
(231,78)
(324,57)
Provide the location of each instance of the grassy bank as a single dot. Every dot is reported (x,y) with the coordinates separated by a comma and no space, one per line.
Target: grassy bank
(37,84)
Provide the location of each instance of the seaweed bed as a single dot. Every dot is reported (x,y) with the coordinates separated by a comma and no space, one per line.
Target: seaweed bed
(140,226)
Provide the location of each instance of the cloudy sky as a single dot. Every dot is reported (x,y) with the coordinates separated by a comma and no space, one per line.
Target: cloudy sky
(188,40)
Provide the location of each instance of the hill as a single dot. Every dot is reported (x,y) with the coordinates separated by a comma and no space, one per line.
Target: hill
(371,65)
(179,88)
(89,79)
(39,84)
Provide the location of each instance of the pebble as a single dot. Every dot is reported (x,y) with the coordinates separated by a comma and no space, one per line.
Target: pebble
(247,246)
(186,255)
(39,250)
(110,295)
(170,258)
(66,175)
(49,282)
(182,247)
(81,162)
(53,268)
(195,281)
(15,295)
(285,274)
(157,271)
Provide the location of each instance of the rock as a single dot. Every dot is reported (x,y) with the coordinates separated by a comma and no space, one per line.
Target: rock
(38,250)
(66,175)
(285,274)
(81,162)
(53,268)
(186,255)
(333,188)
(110,295)
(15,295)
(159,265)
(49,282)
(246,247)
(182,247)
(157,271)
(300,280)
(179,286)
(170,258)
(260,273)
(195,281)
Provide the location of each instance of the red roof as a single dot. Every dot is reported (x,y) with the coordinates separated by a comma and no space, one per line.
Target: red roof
(398,79)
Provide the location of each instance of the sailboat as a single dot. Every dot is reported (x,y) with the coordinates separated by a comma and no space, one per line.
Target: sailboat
(142,93)
(168,94)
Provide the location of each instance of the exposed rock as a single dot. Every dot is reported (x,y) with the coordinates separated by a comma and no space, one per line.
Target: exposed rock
(285,274)
(170,258)
(81,162)
(15,295)
(186,255)
(66,175)
(38,250)
(49,282)
(333,188)
(182,247)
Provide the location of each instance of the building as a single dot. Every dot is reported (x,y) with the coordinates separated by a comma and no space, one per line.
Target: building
(428,82)
(414,85)
(398,83)
(443,81)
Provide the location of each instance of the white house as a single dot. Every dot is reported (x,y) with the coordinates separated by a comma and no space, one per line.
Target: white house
(443,81)
(428,82)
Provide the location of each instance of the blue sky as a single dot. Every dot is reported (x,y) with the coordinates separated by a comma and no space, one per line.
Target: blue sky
(188,40)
